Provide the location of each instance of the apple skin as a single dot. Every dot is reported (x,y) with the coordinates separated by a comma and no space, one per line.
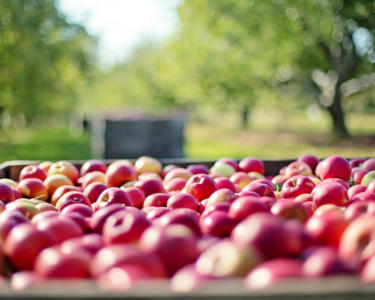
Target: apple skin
(91,243)
(324,261)
(175,245)
(33,188)
(175,185)
(188,279)
(250,164)
(198,169)
(45,165)
(354,190)
(370,176)
(224,259)
(289,209)
(201,186)
(332,192)
(167,169)
(225,183)
(72,198)
(99,217)
(334,167)
(309,159)
(25,206)
(222,169)
(33,171)
(241,178)
(148,164)
(371,186)
(224,206)
(24,280)
(153,212)
(44,215)
(93,165)
(272,271)
(91,177)
(243,207)
(119,173)
(8,220)
(93,191)
(54,225)
(63,190)
(364,196)
(82,209)
(357,242)
(369,164)
(181,216)
(183,200)
(261,189)
(231,162)
(150,186)
(178,173)
(52,263)
(367,273)
(264,232)
(217,223)
(24,243)
(297,168)
(137,197)
(126,254)
(65,168)
(303,198)
(357,209)
(296,186)
(358,175)
(157,200)
(278,181)
(111,196)
(355,162)
(6,193)
(54,181)
(220,196)
(327,228)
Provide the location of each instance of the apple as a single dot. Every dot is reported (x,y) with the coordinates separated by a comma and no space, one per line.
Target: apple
(9,182)
(175,184)
(218,223)
(125,227)
(278,181)
(24,243)
(231,162)
(241,179)
(332,208)
(178,173)
(225,259)
(223,206)
(25,206)
(63,190)
(303,198)
(198,169)
(150,186)
(93,165)
(65,168)
(127,254)
(175,245)
(289,209)
(55,181)
(358,175)
(93,191)
(327,228)
(167,169)
(356,209)
(6,193)
(272,271)
(52,263)
(72,198)
(8,220)
(137,197)
(364,196)
(334,167)
(33,188)
(261,189)
(148,164)
(45,206)
(222,169)
(220,196)
(201,186)
(55,225)
(153,212)
(332,192)
(358,240)
(354,190)
(225,183)
(45,165)
(183,200)
(371,186)
(309,159)
(297,168)
(33,171)
(44,215)
(111,196)
(99,217)
(119,173)
(180,216)
(250,164)
(296,186)
(243,207)
(370,176)
(188,279)
(91,177)
(369,164)
(91,242)
(157,199)
(355,162)
(324,261)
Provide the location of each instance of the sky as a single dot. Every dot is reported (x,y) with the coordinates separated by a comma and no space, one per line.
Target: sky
(120,25)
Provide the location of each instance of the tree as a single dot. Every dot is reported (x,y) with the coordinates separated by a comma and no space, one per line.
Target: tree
(43,58)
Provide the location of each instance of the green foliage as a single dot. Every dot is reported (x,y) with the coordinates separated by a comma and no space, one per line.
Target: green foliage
(44,58)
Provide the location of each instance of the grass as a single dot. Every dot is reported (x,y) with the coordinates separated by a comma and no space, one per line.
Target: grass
(271,134)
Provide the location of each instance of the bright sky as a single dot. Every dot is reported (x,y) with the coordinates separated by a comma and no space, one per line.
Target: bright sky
(122,24)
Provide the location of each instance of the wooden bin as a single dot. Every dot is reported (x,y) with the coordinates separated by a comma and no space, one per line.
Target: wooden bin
(346,287)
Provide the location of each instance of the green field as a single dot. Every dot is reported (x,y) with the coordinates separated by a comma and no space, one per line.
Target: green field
(270,135)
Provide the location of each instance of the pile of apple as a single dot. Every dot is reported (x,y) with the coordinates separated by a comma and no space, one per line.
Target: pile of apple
(128,223)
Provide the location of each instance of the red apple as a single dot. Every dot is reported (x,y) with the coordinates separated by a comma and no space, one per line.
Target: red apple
(369,164)
(296,186)
(150,186)
(46,165)
(309,159)
(119,173)
(32,171)
(225,183)
(91,177)
(93,191)
(198,169)
(44,215)
(220,196)
(55,181)
(6,193)
(91,243)
(65,168)
(33,188)
(93,165)
(167,169)
(55,225)
(354,190)
(261,189)
(201,186)
(157,199)
(356,209)
(8,220)
(183,200)
(72,198)
(82,209)
(334,193)
(63,190)
(289,209)
(154,212)
(250,164)
(297,168)
(355,162)
(111,196)
(25,206)
(125,227)
(99,217)
(217,223)
(358,175)
(334,167)
(364,196)
(175,184)
(181,216)
(178,173)
(241,179)
(243,207)
(136,196)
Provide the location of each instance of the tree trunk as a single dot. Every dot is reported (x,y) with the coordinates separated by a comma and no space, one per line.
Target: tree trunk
(245,111)
(336,112)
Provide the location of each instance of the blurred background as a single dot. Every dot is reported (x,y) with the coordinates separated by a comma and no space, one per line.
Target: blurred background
(272,79)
